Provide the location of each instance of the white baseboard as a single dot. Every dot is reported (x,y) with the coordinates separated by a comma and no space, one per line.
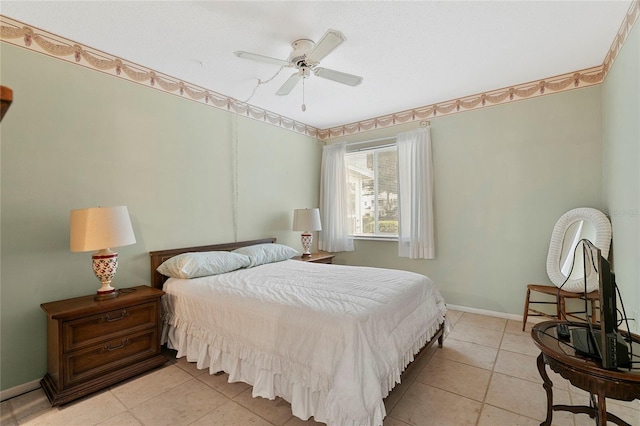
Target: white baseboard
(19,390)
(514,317)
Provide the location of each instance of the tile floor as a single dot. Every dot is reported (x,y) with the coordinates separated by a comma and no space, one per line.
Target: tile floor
(484,375)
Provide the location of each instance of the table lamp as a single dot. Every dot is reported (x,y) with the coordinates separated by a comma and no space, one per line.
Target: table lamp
(306,220)
(101,228)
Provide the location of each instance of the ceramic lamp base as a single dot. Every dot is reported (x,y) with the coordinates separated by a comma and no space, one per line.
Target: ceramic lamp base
(307,240)
(105,265)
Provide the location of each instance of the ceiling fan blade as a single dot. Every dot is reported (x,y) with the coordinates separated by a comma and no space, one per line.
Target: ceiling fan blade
(340,77)
(329,41)
(261,58)
(288,85)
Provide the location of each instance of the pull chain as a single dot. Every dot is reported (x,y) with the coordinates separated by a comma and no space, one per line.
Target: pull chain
(304,107)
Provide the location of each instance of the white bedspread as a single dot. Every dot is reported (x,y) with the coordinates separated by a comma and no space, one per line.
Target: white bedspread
(330,339)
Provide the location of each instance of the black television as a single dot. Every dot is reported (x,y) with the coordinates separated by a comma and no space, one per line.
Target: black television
(601,340)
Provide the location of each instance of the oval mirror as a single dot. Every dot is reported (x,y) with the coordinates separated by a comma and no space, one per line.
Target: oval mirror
(565,270)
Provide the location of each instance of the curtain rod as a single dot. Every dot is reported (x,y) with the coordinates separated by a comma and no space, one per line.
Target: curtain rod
(371,141)
(388,138)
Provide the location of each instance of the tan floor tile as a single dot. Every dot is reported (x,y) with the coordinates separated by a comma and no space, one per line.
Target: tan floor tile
(142,388)
(294,421)
(9,421)
(468,353)
(443,386)
(391,421)
(424,405)
(483,321)
(455,377)
(220,382)
(515,327)
(5,409)
(87,411)
(492,416)
(409,375)
(190,367)
(277,411)
(526,398)
(181,405)
(415,367)
(632,405)
(521,343)
(518,365)
(478,335)
(6,418)
(558,381)
(231,414)
(396,394)
(625,410)
(533,320)
(31,402)
(124,419)
(453,316)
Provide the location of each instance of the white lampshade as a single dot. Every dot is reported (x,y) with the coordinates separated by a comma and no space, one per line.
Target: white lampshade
(306,220)
(99,228)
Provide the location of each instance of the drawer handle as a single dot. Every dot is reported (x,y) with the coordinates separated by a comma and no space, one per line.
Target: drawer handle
(123,314)
(113,348)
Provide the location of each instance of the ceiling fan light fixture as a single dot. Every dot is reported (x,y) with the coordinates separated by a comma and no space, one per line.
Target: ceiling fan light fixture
(301,48)
(306,57)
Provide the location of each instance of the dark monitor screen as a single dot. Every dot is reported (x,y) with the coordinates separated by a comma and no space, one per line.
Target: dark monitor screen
(602,340)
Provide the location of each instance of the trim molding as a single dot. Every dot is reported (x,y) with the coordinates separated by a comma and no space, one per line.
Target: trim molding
(569,81)
(589,77)
(19,390)
(21,35)
(514,317)
(37,40)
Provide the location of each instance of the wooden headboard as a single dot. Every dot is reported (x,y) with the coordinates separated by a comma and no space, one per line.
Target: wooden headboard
(157,257)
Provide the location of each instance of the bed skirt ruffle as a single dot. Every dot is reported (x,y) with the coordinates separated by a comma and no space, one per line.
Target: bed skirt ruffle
(310,394)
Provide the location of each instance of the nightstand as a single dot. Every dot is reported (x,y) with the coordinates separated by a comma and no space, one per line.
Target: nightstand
(319,257)
(94,344)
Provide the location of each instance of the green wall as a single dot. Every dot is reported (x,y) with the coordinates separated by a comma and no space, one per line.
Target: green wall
(621,169)
(76,138)
(502,177)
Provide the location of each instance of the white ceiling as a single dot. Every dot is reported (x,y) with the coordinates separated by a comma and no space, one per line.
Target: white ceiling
(410,54)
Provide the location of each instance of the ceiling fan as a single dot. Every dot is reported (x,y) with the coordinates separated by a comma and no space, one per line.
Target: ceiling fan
(306,57)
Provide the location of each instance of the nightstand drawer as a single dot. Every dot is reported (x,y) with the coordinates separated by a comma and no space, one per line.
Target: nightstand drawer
(97,328)
(93,344)
(111,355)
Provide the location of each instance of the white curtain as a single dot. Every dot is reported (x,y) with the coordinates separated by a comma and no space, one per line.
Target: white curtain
(333,200)
(415,195)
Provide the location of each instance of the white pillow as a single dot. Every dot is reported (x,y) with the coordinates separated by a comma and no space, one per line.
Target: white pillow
(201,264)
(260,254)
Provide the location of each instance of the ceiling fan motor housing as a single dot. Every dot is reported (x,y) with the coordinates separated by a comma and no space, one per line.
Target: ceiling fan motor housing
(300,50)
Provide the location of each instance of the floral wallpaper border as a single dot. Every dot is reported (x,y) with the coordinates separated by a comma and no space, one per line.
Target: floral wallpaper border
(564,82)
(22,35)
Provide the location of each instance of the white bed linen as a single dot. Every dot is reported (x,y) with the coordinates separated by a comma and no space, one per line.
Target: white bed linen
(330,339)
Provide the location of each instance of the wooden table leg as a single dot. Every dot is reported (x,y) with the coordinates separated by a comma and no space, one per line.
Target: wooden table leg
(547,385)
(602,409)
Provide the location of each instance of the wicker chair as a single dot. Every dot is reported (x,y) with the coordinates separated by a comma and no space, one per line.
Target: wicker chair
(569,229)
(560,295)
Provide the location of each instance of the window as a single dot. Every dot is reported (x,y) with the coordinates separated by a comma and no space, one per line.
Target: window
(373,192)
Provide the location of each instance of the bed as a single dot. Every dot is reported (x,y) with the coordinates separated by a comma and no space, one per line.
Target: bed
(332,340)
